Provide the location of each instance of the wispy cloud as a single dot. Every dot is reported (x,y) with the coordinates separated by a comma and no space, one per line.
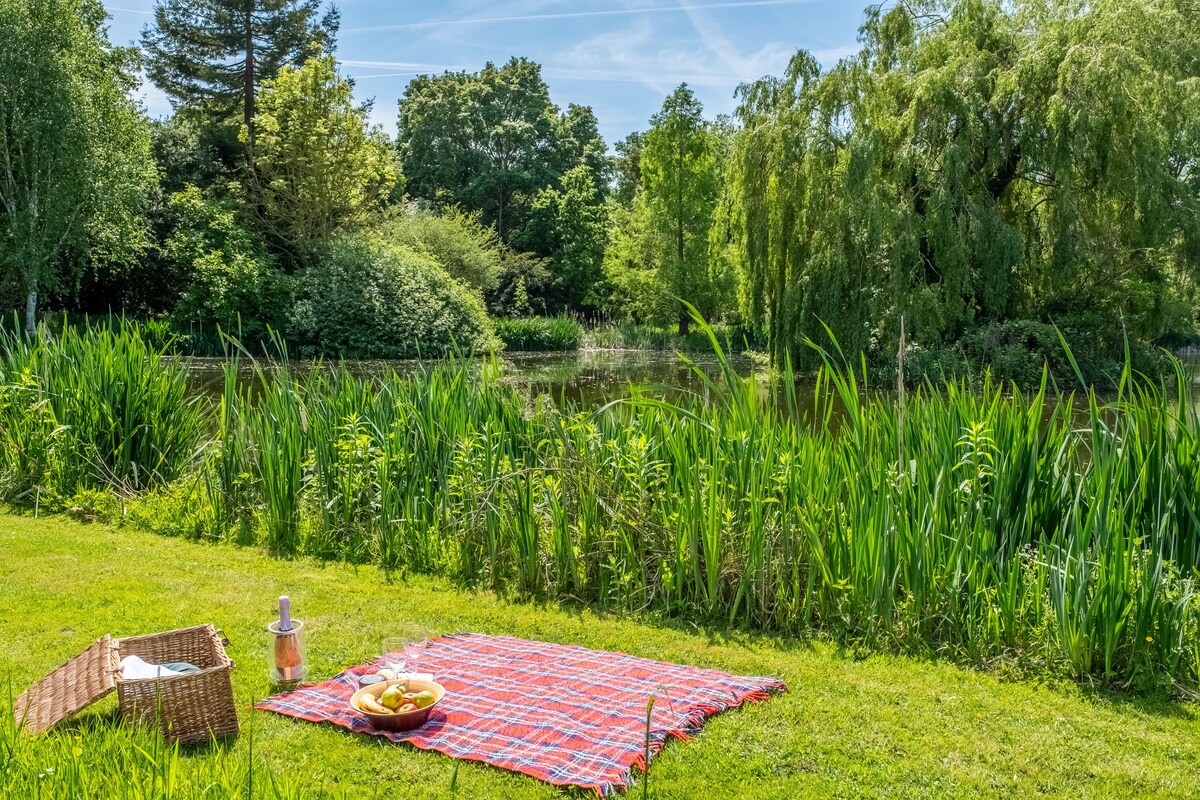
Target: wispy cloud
(660,59)
(387,75)
(417,65)
(619,56)
(610,12)
(828,56)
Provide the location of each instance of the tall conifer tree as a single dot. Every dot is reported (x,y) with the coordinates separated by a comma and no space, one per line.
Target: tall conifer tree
(211,55)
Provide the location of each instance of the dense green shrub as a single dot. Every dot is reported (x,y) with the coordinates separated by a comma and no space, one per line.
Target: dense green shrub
(232,281)
(1016,350)
(543,334)
(464,248)
(925,365)
(373,300)
(631,269)
(524,284)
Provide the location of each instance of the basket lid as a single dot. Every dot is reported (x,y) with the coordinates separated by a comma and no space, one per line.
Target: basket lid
(69,689)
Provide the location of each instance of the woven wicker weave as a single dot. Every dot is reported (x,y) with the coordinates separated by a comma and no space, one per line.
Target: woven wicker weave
(69,689)
(187,708)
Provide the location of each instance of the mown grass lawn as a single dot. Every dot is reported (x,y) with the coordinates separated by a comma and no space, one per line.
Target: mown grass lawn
(876,727)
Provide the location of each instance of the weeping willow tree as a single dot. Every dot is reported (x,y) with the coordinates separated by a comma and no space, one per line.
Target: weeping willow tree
(976,161)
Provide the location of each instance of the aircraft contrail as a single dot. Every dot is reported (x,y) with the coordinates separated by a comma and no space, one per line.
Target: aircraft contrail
(575,14)
(415,65)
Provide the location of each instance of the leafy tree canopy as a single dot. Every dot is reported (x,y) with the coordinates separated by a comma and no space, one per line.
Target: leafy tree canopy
(75,166)
(681,179)
(976,160)
(633,290)
(571,223)
(319,166)
(491,141)
(468,250)
(231,280)
(628,167)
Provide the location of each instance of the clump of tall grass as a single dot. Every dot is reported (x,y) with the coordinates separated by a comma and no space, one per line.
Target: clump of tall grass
(1053,529)
(995,526)
(626,335)
(95,759)
(92,408)
(539,334)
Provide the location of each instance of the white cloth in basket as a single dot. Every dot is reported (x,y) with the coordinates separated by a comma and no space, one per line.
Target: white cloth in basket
(135,669)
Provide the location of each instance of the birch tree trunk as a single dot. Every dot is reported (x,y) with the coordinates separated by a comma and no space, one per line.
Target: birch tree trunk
(31,312)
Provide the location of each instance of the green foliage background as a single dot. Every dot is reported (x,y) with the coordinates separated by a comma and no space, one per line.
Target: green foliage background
(987,171)
(976,162)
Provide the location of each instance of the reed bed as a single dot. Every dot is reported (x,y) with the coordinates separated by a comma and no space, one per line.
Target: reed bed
(1048,530)
(89,409)
(539,334)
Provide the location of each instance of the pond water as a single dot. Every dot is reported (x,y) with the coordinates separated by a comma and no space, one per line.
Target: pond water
(592,378)
(586,378)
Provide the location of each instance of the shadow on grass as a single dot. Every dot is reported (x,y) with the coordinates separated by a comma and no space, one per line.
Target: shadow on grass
(719,632)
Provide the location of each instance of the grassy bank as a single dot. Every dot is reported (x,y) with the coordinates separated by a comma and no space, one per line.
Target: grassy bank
(980,524)
(873,727)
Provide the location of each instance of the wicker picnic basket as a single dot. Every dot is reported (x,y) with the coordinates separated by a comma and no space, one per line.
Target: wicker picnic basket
(187,708)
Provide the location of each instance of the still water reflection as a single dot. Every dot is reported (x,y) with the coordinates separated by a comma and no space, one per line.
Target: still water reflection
(588,379)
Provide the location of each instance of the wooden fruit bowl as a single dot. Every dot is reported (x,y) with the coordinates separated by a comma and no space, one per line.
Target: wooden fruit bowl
(399,722)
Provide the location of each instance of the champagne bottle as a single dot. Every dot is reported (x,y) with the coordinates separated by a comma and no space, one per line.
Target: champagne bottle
(288,662)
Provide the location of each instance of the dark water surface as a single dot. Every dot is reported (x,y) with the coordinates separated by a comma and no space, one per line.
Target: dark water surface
(587,378)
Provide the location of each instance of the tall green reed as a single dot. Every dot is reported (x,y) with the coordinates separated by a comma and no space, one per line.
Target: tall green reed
(1008,529)
(93,408)
(1051,528)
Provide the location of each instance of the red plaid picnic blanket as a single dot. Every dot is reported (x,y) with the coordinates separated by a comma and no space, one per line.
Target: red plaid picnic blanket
(563,714)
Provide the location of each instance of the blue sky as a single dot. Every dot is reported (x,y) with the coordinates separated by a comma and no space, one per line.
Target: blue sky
(619,56)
